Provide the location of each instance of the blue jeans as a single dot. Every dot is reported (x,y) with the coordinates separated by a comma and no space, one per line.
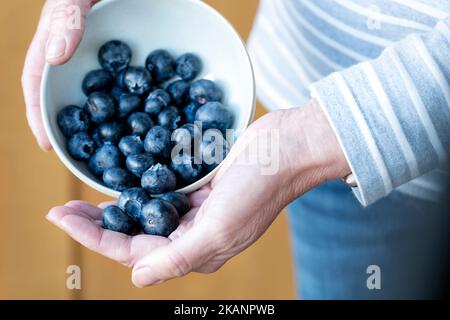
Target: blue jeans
(335,240)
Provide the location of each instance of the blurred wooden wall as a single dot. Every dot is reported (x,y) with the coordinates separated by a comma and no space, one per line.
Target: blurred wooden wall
(34,254)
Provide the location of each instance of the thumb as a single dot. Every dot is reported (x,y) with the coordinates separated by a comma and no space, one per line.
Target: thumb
(189,252)
(67,25)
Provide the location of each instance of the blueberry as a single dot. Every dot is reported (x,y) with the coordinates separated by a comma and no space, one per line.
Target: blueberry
(111,131)
(185,136)
(80,146)
(139,123)
(118,178)
(161,65)
(114,56)
(188,169)
(213,149)
(131,145)
(158,179)
(131,201)
(179,92)
(116,92)
(156,101)
(169,118)
(194,131)
(100,107)
(179,200)
(182,137)
(120,79)
(139,163)
(72,119)
(107,156)
(215,115)
(189,112)
(204,91)
(97,80)
(137,80)
(116,220)
(159,218)
(158,142)
(128,103)
(96,138)
(188,66)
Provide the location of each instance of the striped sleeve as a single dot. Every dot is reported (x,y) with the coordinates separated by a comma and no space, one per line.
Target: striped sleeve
(392,114)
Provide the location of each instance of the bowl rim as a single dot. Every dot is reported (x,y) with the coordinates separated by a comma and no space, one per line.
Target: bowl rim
(99,186)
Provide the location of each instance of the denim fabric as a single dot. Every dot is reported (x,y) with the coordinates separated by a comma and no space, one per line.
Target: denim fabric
(335,239)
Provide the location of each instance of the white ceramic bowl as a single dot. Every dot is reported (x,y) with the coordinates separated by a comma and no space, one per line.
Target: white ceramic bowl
(176,25)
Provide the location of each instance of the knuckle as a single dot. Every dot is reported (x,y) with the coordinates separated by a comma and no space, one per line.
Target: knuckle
(178,265)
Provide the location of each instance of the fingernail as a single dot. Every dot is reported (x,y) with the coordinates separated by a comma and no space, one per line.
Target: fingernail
(56,47)
(143,277)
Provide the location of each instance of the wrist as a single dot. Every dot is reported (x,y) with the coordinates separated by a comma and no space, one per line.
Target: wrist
(323,144)
(309,149)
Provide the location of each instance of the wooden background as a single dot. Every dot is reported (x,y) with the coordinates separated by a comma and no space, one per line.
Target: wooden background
(34,254)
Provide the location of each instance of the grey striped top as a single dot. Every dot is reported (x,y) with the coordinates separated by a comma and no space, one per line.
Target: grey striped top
(380,70)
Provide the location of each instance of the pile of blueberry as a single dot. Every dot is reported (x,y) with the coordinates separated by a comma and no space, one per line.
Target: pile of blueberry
(136,211)
(135,122)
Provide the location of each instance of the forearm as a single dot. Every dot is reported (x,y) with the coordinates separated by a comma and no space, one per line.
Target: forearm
(392,114)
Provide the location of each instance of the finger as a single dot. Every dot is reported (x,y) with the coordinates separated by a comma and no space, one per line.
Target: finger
(186,223)
(189,216)
(67,25)
(58,215)
(176,259)
(113,245)
(88,209)
(197,198)
(50,24)
(31,77)
(36,124)
(103,205)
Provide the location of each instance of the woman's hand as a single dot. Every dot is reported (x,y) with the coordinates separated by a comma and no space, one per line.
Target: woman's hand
(59,32)
(280,156)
